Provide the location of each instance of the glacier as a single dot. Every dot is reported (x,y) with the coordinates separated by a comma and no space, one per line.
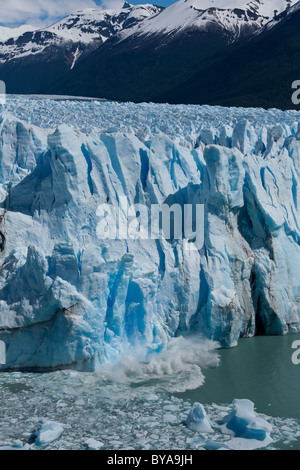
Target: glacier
(69,299)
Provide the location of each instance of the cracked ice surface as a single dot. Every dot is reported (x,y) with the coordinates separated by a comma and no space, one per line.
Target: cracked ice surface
(187,124)
(70,299)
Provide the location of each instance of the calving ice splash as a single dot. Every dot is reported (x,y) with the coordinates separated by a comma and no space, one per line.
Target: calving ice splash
(177,368)
(141,225)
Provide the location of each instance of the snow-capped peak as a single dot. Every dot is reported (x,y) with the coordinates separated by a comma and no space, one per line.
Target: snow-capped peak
(78,34)
(266,8)
(230,14)
(81,31)
(261,7)
(8,33)
(96,23)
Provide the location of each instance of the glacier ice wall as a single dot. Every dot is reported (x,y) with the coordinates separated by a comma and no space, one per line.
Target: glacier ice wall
(70,299)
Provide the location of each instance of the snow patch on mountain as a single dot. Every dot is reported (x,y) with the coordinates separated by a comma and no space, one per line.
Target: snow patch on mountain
(283,14)
(264,8)
(91,24)
(78,33)
(8,33)
(235,16)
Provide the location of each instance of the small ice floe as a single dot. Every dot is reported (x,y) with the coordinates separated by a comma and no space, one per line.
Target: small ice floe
(250,431)
(169,418)
(196,442)
(214,445)
(47,432)
(197,420)
(92,444)
(18,445)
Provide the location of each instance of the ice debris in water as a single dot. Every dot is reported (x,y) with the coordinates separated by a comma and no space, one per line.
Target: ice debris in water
(246,426)
(18,445)
(197,419)
(92,444)
(120,416)
(244,422)
(47,432)
(249,430)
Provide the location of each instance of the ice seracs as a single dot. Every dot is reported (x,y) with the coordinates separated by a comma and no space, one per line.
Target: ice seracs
(70,298)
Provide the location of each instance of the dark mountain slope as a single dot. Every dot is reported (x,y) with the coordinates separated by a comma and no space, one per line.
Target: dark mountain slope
(257,74)
(141,71)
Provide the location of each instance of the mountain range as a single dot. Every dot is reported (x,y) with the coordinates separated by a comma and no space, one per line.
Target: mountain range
(229,52)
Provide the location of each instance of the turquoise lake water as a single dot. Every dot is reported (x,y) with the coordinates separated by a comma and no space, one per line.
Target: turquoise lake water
(146,414)
(260,369)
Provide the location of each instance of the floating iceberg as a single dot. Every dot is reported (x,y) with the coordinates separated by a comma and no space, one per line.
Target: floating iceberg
(215,445)
(249,431)
(197,419)
(245,425)
(92,444)
(70,299)
(16,447)
(47,432)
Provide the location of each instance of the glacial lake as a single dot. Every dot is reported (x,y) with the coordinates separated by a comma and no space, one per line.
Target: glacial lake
(138,411)
(260,369)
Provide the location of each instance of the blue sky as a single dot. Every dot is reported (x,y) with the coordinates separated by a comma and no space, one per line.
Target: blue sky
(41,12)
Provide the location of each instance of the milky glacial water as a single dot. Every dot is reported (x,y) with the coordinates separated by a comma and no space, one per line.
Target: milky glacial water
(143,406)
(260,369)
